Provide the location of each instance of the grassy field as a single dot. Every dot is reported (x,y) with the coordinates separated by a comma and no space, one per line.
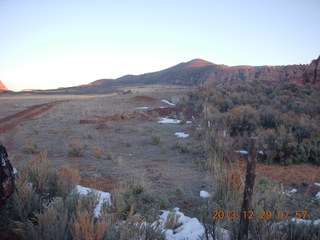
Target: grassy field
(108,152)
(115,141)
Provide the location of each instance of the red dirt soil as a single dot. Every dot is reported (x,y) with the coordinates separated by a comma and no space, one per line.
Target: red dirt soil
(8,123)
(289,174)
(106,184)
(292,173)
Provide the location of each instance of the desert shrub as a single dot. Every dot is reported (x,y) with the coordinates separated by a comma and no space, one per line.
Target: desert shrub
(243,119)
(84,225)
(181,148)
(134,230)
(133,200)
(45,205)
(163,201)
(97,152)
(24,202)
(31,147)
(286,117)
(41,175)
(155,140)
(179,192)
(67,180)
(36,184)
(217,146)
(267,196)
(270,118)
(76,148)
(52,223)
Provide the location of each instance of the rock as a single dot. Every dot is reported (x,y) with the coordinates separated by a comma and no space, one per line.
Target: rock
(3,88)
(116,117)
(102,126)
(307,73)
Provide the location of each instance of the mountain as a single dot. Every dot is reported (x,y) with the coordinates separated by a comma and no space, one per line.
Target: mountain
(2,87)
(182,74)
(199,72)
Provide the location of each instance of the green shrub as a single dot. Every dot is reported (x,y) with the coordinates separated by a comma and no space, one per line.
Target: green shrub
(181,148)
(155,140)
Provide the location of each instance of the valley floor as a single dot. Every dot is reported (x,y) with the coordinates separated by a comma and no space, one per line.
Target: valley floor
(116,138)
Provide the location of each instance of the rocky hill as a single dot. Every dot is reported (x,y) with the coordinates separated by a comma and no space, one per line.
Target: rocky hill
(199,72)
(2,87)
(307,73)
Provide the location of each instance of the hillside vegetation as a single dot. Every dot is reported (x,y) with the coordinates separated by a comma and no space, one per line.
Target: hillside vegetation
(285,117)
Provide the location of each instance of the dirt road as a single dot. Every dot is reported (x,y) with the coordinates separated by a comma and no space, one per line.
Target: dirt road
(9,122)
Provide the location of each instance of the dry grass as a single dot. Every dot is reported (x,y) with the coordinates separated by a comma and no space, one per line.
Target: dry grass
(97,152)
(67,179)
(76,148)
(232,176)
(85,226)
(172,221)
(31,147)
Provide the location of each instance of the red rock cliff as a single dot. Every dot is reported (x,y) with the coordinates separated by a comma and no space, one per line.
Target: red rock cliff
(307,73)
(3,87)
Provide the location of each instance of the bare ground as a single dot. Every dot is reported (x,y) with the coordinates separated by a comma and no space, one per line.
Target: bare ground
(117,136)
(121,151)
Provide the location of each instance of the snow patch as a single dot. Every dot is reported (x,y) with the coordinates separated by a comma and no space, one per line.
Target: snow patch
(293,191)
(318,196)
(181,135)
(304,221)
(167,102)
(242,151)
(190,228)
(141,107)
(317,184)
(170,120)
(246,152)
(204,194)
(104,197)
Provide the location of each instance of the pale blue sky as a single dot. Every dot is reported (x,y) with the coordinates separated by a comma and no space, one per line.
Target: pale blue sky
(52,43)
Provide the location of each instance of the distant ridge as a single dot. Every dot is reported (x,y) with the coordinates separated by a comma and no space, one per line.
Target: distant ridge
(198,72)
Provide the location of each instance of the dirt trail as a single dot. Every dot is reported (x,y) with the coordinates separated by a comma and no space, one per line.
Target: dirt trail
(9,122)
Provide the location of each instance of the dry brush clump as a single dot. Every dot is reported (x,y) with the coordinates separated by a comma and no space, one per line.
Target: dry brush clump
(45,205)
(31,147)
(37,184)
(285,117)
(84,225)
(76,148)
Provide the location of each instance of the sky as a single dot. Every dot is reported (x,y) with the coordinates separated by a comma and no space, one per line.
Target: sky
(47,44)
